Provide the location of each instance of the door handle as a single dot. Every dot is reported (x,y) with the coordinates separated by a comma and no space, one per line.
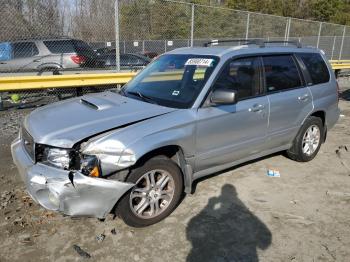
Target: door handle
(257,108)
(36,60)
(303,97)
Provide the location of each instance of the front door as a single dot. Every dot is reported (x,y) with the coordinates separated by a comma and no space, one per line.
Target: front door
(226,133)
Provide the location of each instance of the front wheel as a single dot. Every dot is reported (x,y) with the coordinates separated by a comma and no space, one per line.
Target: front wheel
(157,191)
(308,141)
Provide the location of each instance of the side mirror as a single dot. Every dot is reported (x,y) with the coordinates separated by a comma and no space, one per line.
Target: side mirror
(223,96)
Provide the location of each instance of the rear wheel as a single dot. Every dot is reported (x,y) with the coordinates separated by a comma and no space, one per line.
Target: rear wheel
(308,141)
(157,191)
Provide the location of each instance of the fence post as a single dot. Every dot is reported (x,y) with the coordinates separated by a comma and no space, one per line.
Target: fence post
(335,37)
(247,26)
(192,23)
(116,18)
(164,46)
(143,46)
(342,43)
(286,34)
(319,35)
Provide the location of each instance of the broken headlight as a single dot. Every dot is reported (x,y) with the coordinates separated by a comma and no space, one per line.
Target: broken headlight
(89,166)
(57,157)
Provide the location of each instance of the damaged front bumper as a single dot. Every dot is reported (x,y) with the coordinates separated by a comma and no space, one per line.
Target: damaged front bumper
(69,192)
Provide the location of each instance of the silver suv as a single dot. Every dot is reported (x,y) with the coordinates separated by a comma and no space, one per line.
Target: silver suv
(45,55)
(190,113)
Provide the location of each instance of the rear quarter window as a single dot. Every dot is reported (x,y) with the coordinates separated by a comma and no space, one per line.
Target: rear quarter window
(24,49)
(60,46)
(316,67)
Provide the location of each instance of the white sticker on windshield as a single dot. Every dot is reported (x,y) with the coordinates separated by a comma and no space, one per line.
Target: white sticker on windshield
(176,93)
(199,62)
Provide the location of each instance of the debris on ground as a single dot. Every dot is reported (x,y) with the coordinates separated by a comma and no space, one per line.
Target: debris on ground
(339,152)
(81,252)
(100,238)
(130,233)
(343,195)
(292,218)
(7,197)
(113,231)
(25,238)
(273,173)
(27,201)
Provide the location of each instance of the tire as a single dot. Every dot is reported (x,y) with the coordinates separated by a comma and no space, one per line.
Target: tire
(135,208)
(298,151)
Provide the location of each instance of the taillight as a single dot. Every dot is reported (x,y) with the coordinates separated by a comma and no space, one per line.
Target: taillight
(78,59)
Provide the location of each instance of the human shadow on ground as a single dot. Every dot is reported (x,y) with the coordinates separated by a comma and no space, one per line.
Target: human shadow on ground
(345,95)
(226,230)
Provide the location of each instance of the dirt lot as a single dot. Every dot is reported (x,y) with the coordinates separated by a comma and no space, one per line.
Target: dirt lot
(239,215)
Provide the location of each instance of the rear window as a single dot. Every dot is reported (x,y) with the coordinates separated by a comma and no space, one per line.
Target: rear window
(281,73)
(24,49)
(317,68)
(61,46)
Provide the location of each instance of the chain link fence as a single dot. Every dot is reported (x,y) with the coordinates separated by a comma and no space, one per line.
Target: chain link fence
(73,37)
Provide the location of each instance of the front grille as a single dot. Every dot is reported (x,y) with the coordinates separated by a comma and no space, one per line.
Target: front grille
(28,143)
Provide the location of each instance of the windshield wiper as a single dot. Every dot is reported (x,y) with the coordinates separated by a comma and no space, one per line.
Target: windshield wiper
(142,96)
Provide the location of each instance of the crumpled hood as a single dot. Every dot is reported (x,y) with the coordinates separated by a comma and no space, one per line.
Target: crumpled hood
(65,123)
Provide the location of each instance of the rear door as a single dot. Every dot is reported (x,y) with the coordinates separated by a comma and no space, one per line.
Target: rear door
(290,99)
(25,57)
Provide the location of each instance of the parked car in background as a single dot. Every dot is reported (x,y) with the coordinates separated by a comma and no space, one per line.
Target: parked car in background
(103,51)
(150,55)
(126,60)
(45,55)
(191,113)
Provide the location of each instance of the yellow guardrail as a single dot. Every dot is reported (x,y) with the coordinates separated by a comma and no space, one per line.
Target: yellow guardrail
(18,83)
(62,81)
(340,64)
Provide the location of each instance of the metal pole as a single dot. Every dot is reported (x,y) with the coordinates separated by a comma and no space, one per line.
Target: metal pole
(342,43)
(192,23)
(143,46)
(288,29)
(247,27)
(319,35)
(333,47)
(116,18)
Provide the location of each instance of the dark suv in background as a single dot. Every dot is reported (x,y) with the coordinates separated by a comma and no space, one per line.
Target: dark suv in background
(45,55)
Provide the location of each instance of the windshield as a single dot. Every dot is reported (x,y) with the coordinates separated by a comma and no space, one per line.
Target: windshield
(172,80)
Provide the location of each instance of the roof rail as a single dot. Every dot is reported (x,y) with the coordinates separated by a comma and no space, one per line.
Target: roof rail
(44,37)
(258,42)
(296,43)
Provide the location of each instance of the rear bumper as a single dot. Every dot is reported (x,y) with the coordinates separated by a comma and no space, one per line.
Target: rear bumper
(71,193)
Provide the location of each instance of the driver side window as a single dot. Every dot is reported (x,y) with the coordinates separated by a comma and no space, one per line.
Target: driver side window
(241,75)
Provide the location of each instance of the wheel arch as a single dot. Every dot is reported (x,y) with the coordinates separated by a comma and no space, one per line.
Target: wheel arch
(176,154)
(322,115)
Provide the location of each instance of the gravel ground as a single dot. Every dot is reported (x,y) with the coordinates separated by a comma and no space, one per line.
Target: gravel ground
(239,215)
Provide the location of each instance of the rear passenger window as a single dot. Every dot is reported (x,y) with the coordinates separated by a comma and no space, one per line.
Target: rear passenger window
(281,73)
(24,49)
(317,68)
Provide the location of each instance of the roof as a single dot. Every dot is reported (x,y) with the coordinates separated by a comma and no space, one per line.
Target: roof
(241,49)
